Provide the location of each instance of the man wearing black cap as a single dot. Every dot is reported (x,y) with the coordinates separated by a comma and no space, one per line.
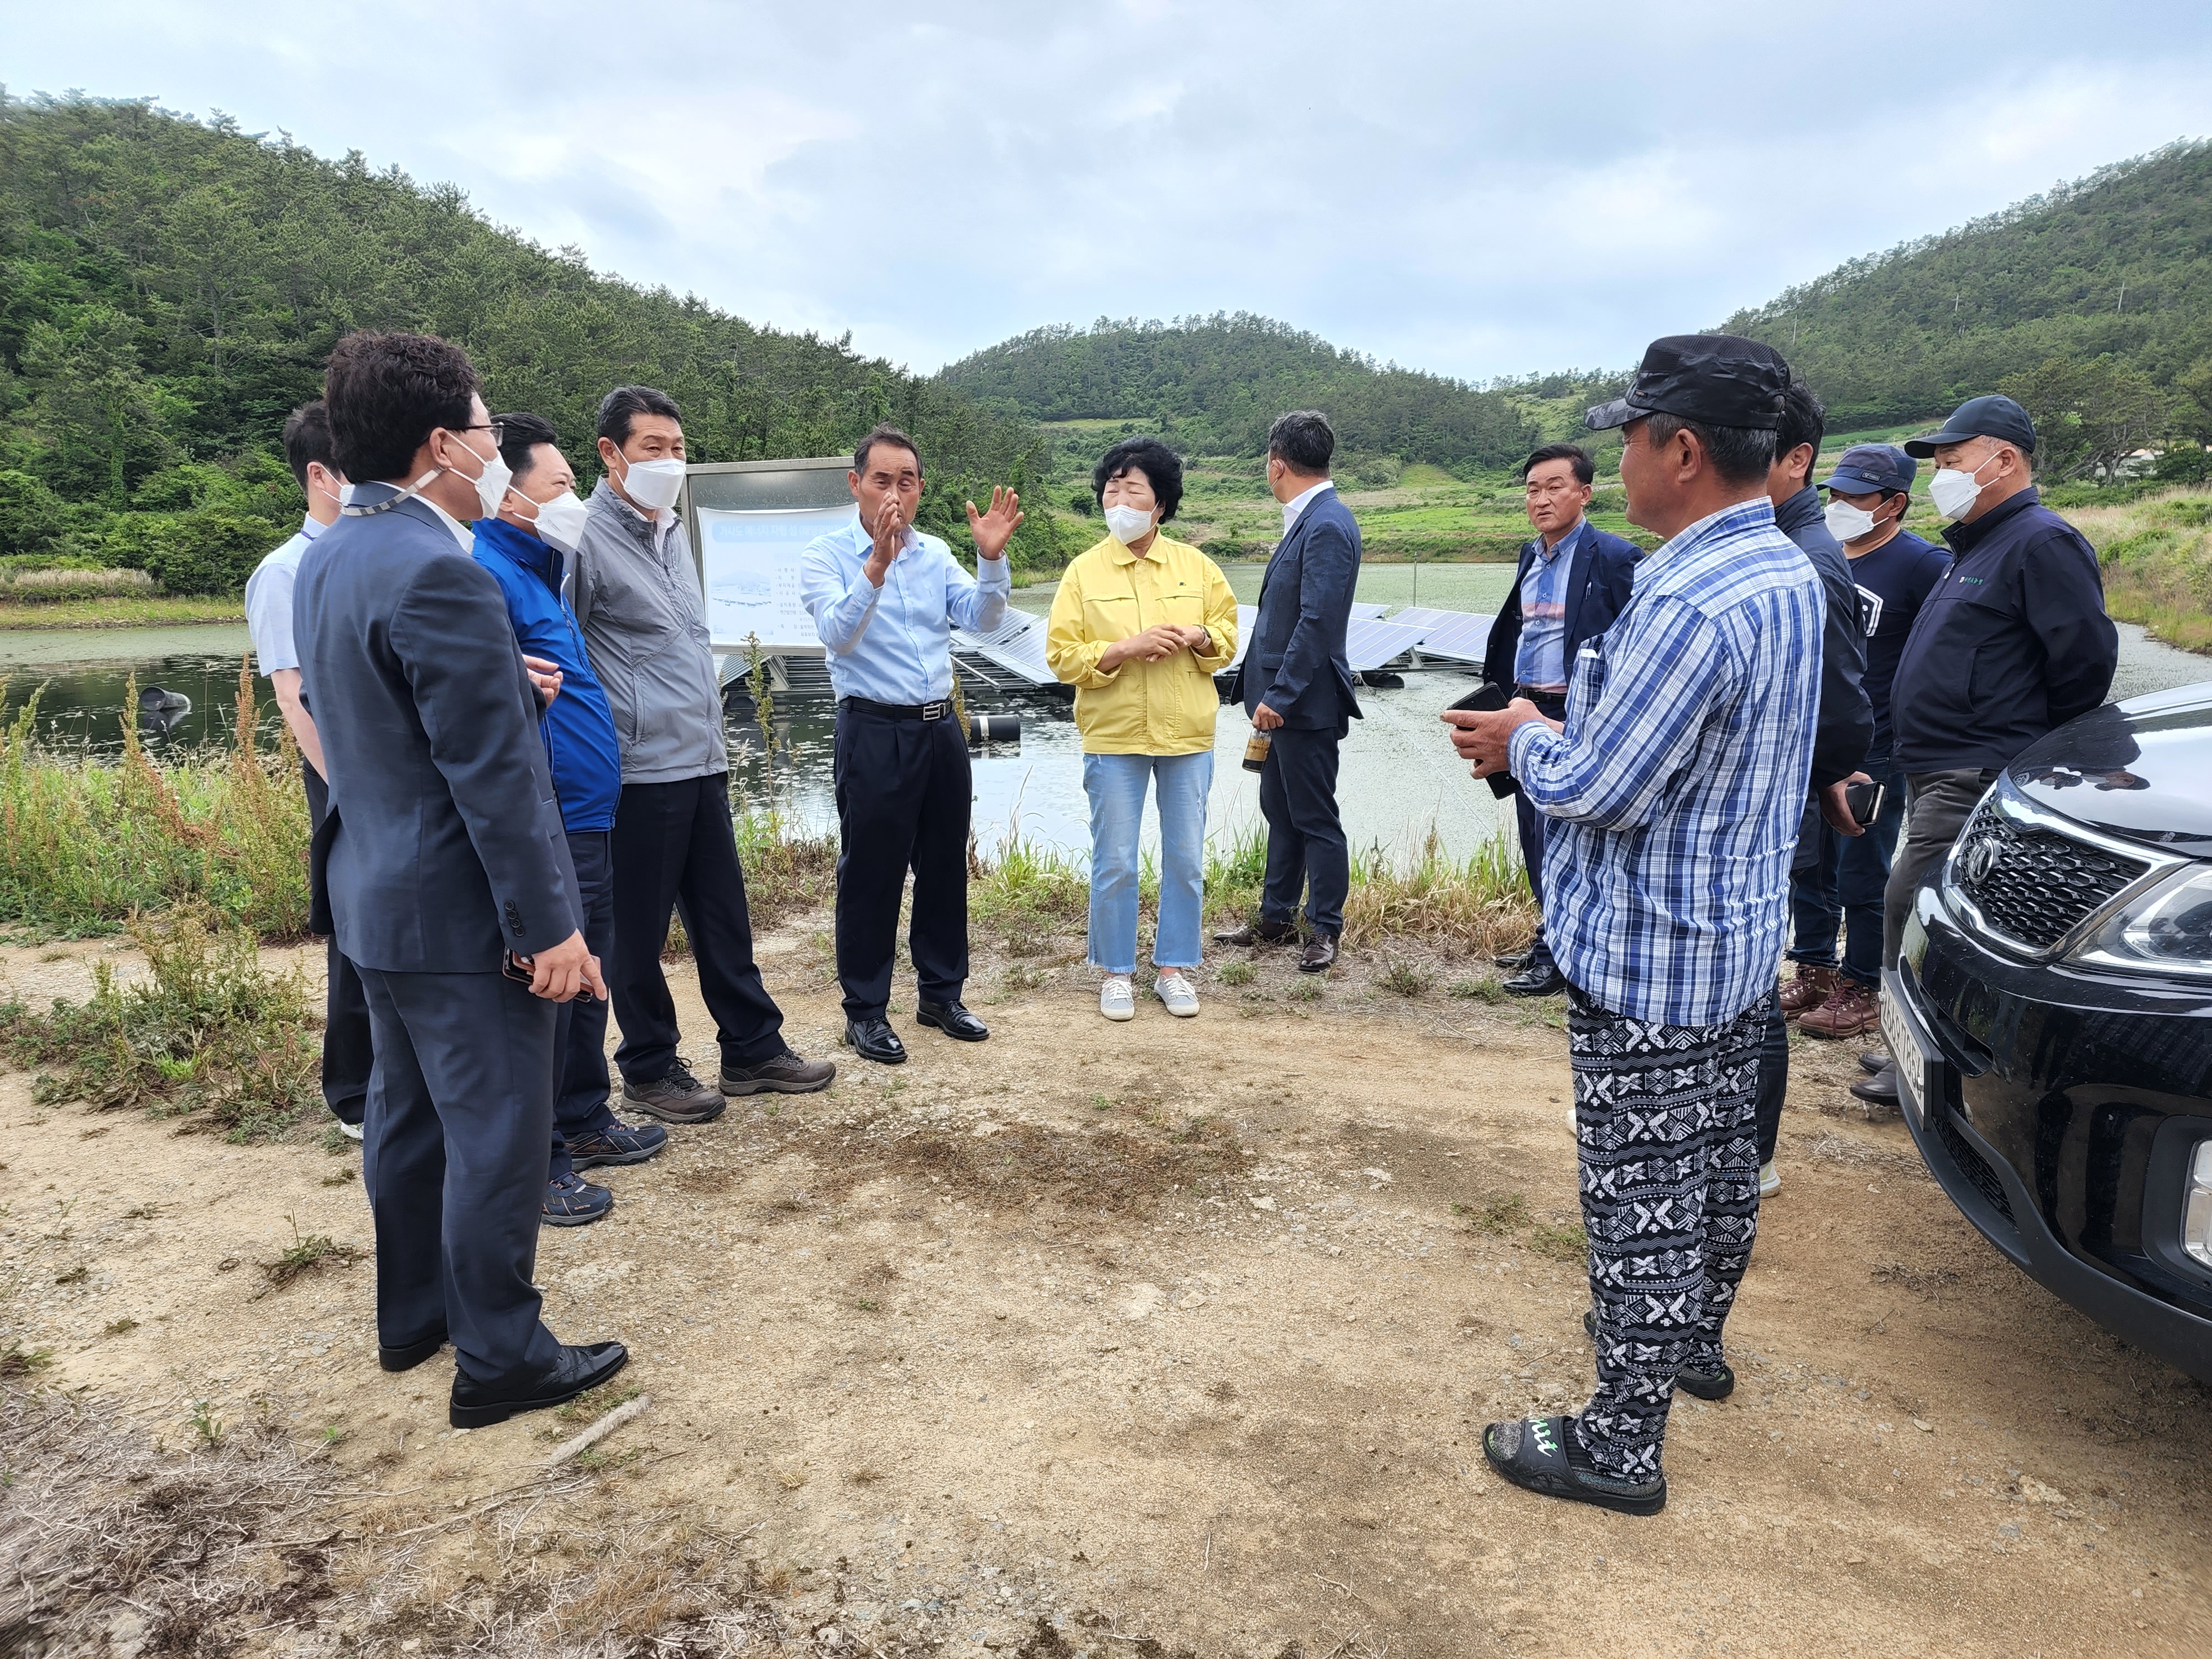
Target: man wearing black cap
(2013,643)
(1895,571)
(1674,788)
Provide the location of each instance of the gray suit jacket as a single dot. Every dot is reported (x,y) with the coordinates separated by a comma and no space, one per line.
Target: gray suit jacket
(443,847)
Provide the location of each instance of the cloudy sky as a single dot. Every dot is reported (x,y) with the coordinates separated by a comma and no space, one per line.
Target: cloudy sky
(1472,189)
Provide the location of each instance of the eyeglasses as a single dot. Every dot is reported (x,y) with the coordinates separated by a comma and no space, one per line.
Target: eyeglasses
(497,429)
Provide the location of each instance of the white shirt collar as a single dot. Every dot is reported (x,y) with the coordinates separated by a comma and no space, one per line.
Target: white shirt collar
(1299,503)
(462,533)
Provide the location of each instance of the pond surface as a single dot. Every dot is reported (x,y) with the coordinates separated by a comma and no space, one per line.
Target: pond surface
(1399,777)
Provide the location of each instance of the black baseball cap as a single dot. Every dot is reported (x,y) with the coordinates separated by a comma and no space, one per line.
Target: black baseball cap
(1716,379)
(1873,469)
(1992,416)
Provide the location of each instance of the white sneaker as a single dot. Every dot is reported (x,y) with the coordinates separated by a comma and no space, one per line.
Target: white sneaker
(1769,1180)
(351,1131)
(1180,995)
(1115,999)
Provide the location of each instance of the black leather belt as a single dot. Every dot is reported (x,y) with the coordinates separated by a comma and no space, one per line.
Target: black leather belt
(1542,699)
(898,711)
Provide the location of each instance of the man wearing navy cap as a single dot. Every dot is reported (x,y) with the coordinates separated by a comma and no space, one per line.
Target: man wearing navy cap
(2013,643)
(1895,571)
(1673,787)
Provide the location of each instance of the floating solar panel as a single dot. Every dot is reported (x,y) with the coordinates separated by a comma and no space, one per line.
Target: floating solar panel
(1454,635)
(1016,645)
(1368,644)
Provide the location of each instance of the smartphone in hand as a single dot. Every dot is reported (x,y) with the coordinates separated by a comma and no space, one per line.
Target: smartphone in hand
(1488,698)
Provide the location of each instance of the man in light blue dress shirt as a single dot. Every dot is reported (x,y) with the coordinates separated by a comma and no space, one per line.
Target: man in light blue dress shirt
(885,600)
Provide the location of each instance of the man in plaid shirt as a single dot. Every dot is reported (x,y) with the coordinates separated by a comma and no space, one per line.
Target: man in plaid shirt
(1674,787)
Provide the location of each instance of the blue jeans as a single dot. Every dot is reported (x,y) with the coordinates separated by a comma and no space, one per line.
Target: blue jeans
(1844,890)
(1116,785)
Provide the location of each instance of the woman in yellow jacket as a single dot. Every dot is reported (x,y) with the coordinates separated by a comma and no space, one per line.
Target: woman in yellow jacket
(1139,627)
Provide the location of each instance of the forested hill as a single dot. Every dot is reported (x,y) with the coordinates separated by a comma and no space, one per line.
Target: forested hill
(1217,381)
(2119,263)
(169,289)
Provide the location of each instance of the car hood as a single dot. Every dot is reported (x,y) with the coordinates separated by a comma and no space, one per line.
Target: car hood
(2141,768)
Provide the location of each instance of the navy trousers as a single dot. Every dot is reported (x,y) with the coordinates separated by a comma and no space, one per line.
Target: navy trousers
(905,793)
(1841,893)
(1306,850)
(1530,824)
(461,1117)
(347,1054)
(580,1029)
(675,850)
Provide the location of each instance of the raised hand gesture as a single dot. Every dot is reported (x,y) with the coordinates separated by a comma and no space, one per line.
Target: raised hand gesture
(994,529)
(888,533)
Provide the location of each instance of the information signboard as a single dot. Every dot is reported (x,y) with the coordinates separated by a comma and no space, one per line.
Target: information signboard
(749,564)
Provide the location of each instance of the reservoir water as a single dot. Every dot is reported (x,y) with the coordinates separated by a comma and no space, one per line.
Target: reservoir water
(1399,777)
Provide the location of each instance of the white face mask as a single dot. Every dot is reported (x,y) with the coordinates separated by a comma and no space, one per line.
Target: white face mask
(1955,492)
(491,484)
(559,522)
(1128,525)
(652,485)
(1847,523)
(336,498)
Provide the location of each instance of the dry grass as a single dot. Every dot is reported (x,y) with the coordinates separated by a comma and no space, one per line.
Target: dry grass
(2156,553)
(50,587)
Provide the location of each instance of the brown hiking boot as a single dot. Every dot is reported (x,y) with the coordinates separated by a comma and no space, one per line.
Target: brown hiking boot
(1812,987)
(1853,1009)
(676,1097)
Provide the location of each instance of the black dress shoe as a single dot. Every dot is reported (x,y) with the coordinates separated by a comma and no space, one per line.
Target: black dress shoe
(1257,932)
(954,1021)
(409,1355)
(1320,954)
(1877,1060)
(1879,1089)
(1538,979)
(574,1370)
(874,1039)
(1512,959)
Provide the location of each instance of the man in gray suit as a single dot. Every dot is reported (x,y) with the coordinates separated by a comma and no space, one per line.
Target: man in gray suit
(443,868)
(1296,684)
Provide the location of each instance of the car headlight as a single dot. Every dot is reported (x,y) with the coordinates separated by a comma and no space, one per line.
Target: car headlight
(2166,929)
(2197,1205)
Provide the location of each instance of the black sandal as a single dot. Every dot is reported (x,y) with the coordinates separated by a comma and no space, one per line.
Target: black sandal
(1539,1454)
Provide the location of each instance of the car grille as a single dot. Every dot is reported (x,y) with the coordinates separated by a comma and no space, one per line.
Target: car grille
(1972,1164)
(2033,885)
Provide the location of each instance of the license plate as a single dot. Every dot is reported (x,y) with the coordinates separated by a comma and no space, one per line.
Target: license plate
(1905,1047)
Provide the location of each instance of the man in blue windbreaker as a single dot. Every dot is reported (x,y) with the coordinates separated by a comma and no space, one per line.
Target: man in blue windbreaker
(526,548)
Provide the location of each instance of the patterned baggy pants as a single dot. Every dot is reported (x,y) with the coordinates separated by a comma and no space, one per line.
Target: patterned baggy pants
(1670,1161)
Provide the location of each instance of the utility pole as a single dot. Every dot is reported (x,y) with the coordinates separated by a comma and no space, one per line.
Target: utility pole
(2123,305)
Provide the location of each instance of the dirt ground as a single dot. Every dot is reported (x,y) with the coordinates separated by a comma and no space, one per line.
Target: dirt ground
(1091,1339)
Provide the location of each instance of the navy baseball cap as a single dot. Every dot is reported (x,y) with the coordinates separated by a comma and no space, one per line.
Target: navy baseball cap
(1717,380)
(1873,469)
(1992,416)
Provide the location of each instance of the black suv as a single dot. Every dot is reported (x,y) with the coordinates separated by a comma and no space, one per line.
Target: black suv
(2051,1016)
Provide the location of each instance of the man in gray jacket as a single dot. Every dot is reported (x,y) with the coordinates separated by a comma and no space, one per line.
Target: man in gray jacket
(645,627)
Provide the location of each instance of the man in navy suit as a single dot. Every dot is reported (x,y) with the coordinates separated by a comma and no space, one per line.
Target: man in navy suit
(1296,684)
(444,868)
(1574,578)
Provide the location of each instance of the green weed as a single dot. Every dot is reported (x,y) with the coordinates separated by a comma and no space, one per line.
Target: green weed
(1504,1214)
(1567,1241)
(1236,973)
(208,1031)
(1404,979)
(206,1424)
(17,1361)
(309,1255)
(86,844)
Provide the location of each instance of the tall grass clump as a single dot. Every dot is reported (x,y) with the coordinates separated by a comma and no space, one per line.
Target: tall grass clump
(788,867)
(87,843)
(2156,556)
(207,1032)
(1029,892)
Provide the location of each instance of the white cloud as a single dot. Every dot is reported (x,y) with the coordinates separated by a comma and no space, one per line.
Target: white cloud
(1473,193)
